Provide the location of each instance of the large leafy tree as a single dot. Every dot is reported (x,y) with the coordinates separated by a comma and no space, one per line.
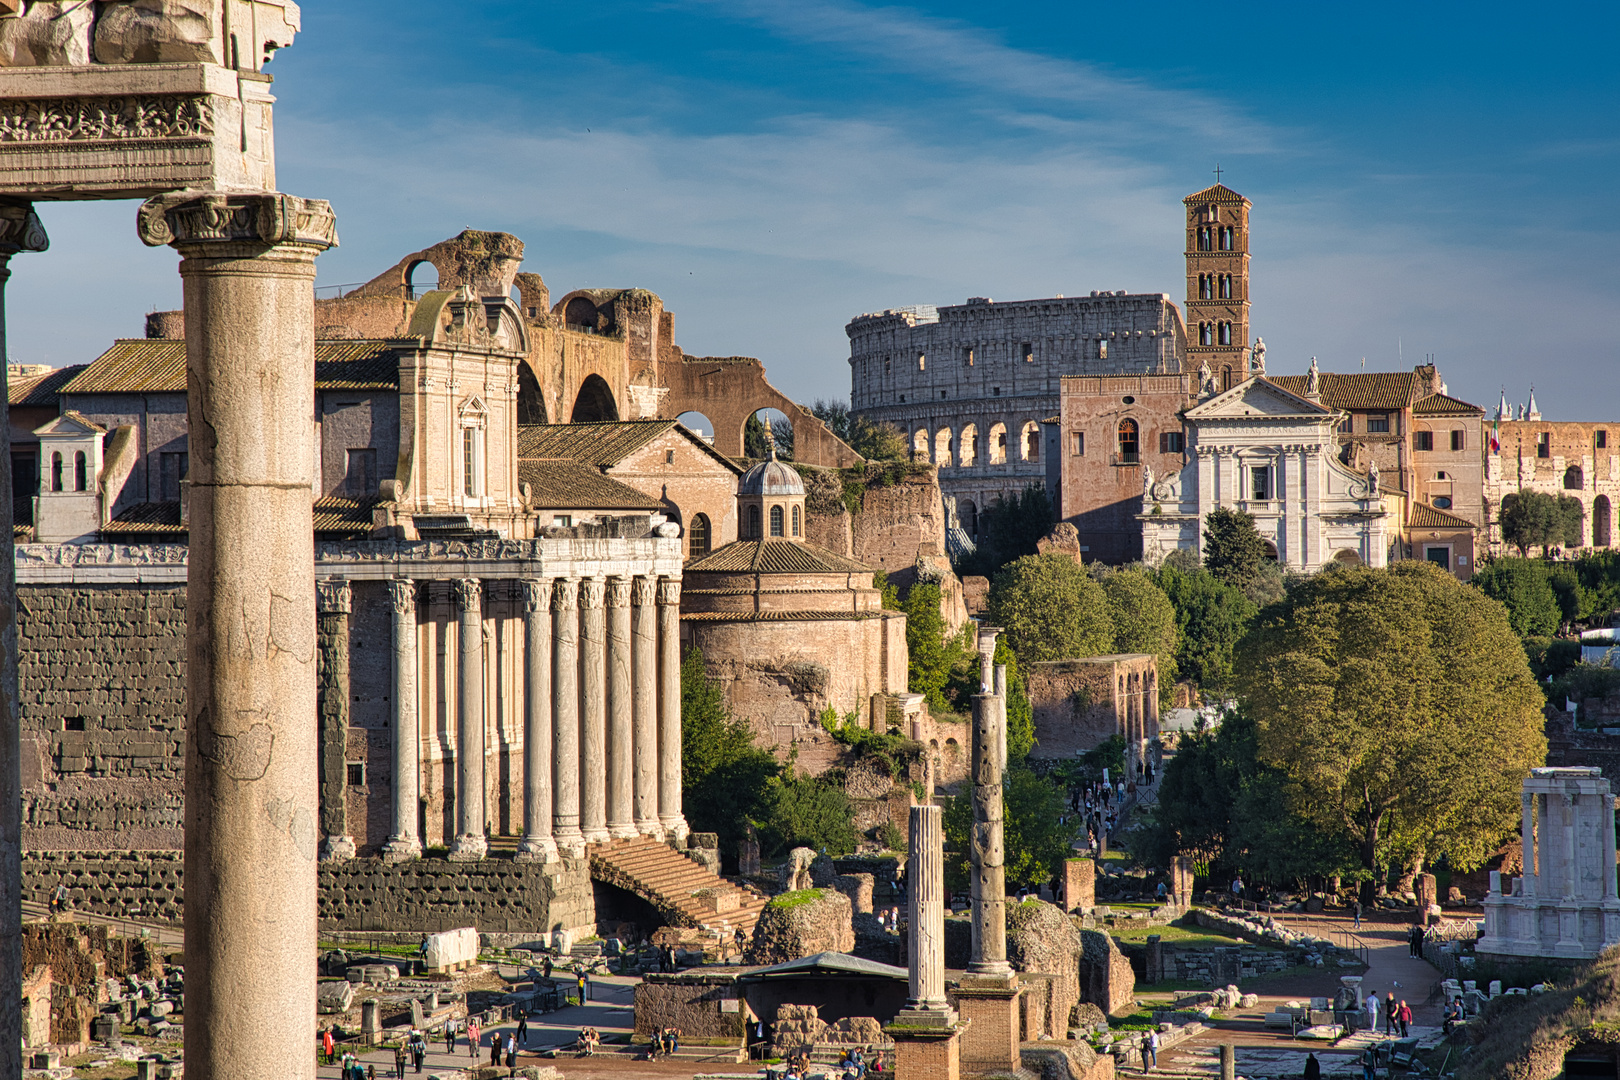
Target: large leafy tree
(1211,616)
(1233,549)
(1051,609)
(1524,589)
(877,441)
(1038,831)
(835,414)
(929,657)
(724,776)
(807,811)
(1400,706)
(1536,519)
(1009,528)
(1144,622)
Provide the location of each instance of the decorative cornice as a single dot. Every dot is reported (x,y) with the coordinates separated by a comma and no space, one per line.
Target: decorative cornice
(106,119)
(190,217)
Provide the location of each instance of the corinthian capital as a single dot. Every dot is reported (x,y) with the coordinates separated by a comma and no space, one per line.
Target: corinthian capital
(644,591)
(669,591)
(536,594)
(618,592)
(566,595)
(190,217)
(402,594)
(469,594)
(591,592)
(332,596)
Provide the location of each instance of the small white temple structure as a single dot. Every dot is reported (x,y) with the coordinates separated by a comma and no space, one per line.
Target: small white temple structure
(1565,904)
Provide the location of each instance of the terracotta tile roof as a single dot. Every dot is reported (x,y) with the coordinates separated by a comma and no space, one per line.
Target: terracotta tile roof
(1425,516)
(603,445)
(1218,193)
(775,556)
(573,485)
(332,515)
(39,391)
(1362,390)
(1441,405)
(154,517)
(158,365)
(341,514)
(777,616)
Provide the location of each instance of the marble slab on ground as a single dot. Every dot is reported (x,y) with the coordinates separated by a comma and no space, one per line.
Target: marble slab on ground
(1265,1063)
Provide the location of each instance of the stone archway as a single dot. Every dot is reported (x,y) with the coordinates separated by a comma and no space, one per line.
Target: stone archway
(531,403)
(594,403)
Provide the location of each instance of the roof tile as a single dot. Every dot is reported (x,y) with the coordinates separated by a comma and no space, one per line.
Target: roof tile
(39,391)
(1442,405)
(158,365)
(557,484)
(1361,390)
(1425,516)
(775,556)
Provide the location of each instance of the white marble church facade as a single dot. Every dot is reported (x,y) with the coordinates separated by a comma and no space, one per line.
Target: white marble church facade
(1259,448)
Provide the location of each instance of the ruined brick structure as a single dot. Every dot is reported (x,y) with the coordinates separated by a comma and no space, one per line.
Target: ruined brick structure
(1580,460)
(1080,703)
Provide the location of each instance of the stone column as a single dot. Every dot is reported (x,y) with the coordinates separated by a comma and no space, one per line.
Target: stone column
(252,794)
(621,739)
(669,709)
(1528,844)
(469,843)
(332,644)
(404,843)
(987,657)
(537,843)
(20,230)
(644,703)
(593,710)
(1001,715)
(565,717)
(925,877)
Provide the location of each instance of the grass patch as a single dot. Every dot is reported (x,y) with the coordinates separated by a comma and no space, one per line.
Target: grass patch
(790,900)
(1195,937)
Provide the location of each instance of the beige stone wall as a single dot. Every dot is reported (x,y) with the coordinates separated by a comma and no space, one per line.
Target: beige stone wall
(1569,446)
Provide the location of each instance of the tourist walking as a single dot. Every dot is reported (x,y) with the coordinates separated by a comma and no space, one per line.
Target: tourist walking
(495,1048)
(511,1051)
(419,1048)
(1392,1013)
(584,987)
(1406,1017)
(523,1026)
(327,1045)
(399,1061)
(475,1035)
(1355,909)
(1372,1011)
(1150,1052)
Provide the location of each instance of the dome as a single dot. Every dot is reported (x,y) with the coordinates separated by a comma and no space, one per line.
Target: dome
(771,477)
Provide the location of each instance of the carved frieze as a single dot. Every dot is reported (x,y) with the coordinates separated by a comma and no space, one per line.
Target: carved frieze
(53,120)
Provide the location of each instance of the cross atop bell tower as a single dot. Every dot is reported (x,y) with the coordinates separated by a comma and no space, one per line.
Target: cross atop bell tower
(1218,283)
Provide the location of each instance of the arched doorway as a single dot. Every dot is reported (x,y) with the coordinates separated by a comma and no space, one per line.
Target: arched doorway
(1347,557)
(1271,550)
(942,447)
(967,447)
(531,404)
(595,403)
(420,277)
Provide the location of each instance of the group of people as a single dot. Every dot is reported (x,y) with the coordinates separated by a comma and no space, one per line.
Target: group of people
(853,1065)
(413,1048)
(665,1041)
(1414,941)
(353,1070)
(1396,1014)
(589,1039)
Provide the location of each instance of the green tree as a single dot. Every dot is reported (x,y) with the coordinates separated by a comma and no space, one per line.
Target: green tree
(1038,831)
(1523,588)
(877,441)
(1211,616)
(1399,703)
(723,774)
(1051,609)
(1009,528)
(1233,548)
(806,811)
(1144,622)
(1536,519)
(835,414)
(1020,715)
(928,656)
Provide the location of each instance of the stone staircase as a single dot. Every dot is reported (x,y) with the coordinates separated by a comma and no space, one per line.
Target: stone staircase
(683,892)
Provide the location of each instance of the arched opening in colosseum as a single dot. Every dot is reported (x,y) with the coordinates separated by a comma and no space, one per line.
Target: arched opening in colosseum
(1602,522)
(1574,478)
(580,315)
(919,445)
(998,444)
(594,404)
(697,424)
(967,515)
(942,447)
(967,446)
(417,284)
(531,404)
(1030,443)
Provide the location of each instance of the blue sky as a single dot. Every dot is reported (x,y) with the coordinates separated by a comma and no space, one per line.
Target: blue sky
(1427,178)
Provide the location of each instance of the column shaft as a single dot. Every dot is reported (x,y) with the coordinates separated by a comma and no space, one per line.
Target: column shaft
(621,730)
(537,842)
(593,710)
(989,880)
(404,843)
(332,642)
(669,708)
(925,875)
(470,843)
(565,717)
(251,798)
(644,698)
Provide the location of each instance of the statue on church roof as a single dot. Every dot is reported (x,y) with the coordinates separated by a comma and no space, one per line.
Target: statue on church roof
(1372,478)
(1257,357)
(1206,378)
(1313,381)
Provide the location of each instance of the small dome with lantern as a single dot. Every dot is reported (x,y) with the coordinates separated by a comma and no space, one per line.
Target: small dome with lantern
(770,500)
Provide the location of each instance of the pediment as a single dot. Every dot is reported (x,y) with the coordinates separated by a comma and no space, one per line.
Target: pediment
(69,425)
(1258,398)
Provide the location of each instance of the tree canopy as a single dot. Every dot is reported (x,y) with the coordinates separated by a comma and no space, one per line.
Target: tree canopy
(1536,519)
(1524,589)
(1038,831)
(1400,706)
(877,441)
(1051,609)
(1009,528)
(1233,548)
(1144,622)
(1211,617)
(725,777)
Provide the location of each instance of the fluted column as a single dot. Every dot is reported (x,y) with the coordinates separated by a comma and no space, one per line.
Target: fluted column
(621,730)
(565,717)
(644,703)
(593,710)
(469,843)
(332,603)
(537,842)
(404,843)
(925,877)
(669,708)
(989,876)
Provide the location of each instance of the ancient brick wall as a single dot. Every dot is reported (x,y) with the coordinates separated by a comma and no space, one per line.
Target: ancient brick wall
(697,1004)
(1079,703)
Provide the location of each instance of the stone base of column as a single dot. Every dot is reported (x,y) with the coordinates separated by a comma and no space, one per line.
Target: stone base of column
(650,827)
(989,1005)
(675,828)
(468,847)
(623,831)
(570,842)
(337,848)
(926,1051)
(597,835)
(401,849)
(536,849)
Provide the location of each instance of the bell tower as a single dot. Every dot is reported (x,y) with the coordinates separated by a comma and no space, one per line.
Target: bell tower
(1218,283)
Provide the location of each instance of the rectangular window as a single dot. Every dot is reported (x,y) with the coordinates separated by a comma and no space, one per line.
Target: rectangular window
(469,461)
(172,468)
(1544,445)
(1169,442)
(357,774)
(1260,483)
(1378,422)
(1600,438)
(562,521)
(1423,440)
(967,356)
(360,479)
(1457,439)
(1440,556)
(1027,351)
(1349,425)
(1077,443)
(922,362)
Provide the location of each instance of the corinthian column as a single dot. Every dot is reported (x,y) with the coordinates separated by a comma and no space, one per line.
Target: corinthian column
(20,230)
(988,852)
(925,875)
(537,842)
(565,711)
(332,601)
(404,843)
(593,710)
(469,843)
(644,701)
(252,792)
(669,708)
(621,732)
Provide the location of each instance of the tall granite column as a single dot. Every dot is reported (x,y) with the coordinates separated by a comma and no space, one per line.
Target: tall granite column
(669,709)
(404,843)
(593,710)
(20,230)
(537,843)
(988,993)
(252,794)
(565,717)
(926,1032)
(644,703)
(621,730)
(469,843)
(332,694)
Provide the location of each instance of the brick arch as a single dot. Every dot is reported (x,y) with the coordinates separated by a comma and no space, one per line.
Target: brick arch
(594,402)
(728,390)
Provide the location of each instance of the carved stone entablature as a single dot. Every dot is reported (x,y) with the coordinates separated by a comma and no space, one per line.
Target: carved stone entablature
(195,218)
(57,120)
